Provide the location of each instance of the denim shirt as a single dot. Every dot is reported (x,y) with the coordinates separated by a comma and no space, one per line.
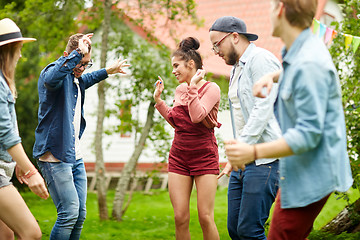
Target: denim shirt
(311,117)
(260,122)
(9,134)
(57,99)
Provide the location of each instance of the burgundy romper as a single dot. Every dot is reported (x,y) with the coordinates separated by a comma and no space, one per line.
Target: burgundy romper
(194,150)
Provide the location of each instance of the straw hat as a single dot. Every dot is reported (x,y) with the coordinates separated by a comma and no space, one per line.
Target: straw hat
(10,32)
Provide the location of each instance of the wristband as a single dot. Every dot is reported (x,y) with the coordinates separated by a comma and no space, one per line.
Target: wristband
(29,173)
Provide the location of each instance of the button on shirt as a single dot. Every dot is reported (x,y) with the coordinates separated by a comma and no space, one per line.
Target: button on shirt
(55,132)
(310,113)
(257,113)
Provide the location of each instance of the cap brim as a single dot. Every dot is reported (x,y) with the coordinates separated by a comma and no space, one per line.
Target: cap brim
(24,40)
(250,36)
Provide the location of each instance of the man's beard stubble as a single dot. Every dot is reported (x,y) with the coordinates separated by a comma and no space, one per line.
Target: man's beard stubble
(233,57)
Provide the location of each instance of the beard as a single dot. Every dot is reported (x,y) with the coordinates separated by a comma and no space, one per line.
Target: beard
(232,58)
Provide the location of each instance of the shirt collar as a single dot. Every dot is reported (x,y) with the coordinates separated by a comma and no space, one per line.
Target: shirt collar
(247,54)
(291,55)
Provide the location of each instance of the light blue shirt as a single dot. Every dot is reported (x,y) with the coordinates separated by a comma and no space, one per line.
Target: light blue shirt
(260,122)
(9,134)
(311,117)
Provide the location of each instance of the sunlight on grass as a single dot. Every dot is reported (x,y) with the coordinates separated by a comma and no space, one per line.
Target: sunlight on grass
(333,206)
(151,216)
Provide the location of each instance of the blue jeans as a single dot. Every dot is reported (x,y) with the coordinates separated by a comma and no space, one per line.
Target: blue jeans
(251,194)
(67,184)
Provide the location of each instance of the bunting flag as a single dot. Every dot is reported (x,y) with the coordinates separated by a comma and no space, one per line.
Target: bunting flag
(328,34)
(355,42)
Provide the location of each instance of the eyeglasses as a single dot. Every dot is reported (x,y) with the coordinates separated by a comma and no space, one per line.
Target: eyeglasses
(85,65)
(215,48)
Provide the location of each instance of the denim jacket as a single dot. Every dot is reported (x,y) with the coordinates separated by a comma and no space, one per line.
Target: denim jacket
(9,134)
(260,122)
(57,100)
(310,113)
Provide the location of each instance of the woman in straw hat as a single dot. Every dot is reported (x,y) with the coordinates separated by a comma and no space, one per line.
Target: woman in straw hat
(15,216)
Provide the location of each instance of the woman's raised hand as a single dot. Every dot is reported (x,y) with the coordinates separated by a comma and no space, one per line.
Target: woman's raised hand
(159,87)
(199,75)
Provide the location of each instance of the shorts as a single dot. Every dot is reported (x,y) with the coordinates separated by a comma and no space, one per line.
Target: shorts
(6,173)
(194,162)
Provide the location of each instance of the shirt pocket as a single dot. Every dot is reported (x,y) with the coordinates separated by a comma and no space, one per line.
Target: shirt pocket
(10,98)
(11,104)
(287,99)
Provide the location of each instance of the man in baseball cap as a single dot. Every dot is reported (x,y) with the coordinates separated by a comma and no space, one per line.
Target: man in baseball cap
(252,189)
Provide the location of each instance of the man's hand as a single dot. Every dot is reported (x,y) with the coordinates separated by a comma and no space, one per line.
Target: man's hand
(85,42)
(239,154)
(263,86)
(226,171)
(117,66)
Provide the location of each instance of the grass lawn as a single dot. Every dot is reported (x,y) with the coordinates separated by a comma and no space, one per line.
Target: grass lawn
(151,216)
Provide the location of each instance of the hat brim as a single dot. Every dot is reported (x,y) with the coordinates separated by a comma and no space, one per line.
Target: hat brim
(24,40)
(250,36)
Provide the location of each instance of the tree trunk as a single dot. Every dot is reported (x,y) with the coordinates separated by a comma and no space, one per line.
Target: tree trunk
(129,167)
(100,166)
(346,221)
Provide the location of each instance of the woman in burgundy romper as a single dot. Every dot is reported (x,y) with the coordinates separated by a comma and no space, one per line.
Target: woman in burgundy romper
(194,153)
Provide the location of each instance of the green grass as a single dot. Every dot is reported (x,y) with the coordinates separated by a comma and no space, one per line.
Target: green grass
(148,217)
(151,216)
(333,206)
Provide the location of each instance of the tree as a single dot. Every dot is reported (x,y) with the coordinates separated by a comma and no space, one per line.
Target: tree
(100,165)
(50,22)
(147,64)
(347,63)
(92,17)
(174,11)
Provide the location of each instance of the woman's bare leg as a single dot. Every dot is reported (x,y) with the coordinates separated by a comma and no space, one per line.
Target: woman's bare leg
(16,215)
(180,187)
(5,232)
(206,186)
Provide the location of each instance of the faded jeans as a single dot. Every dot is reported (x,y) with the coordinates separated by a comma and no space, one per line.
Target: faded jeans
(67,184)
(251,194)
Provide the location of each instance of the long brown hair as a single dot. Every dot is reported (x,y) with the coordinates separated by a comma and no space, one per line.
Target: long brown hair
(8,63)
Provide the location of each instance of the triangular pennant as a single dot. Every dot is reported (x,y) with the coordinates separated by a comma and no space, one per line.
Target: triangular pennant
(356,42)
(334,33)
(322,30)
(328,35)
(315,26)
(348,40)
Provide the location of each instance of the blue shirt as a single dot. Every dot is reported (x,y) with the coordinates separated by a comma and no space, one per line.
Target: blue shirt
(310,113)
(260,122)
(57,99)
(9,134)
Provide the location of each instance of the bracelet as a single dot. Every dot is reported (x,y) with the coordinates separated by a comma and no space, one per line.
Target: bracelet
(29,173)
(255,157)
